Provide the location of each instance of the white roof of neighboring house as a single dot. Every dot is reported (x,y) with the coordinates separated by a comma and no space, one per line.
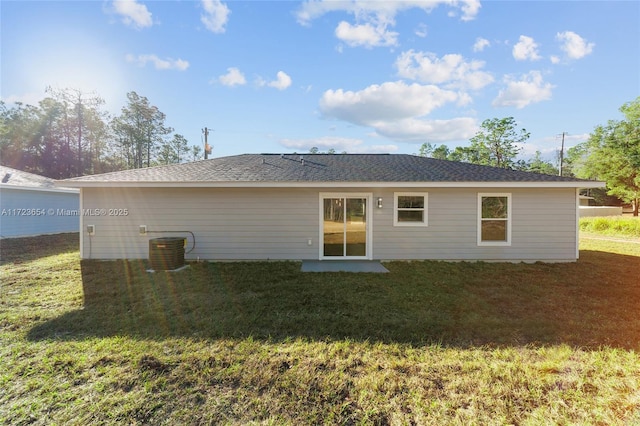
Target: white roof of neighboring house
(17,179)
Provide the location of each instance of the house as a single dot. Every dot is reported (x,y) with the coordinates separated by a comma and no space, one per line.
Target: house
(31,205)
(332,206)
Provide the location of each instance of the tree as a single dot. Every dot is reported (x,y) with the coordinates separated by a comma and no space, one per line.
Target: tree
(166,154)
(612,154)
(196,152)
(538,165)
(467,154)
(425,150)
(180,146)
(56,138)
(140,131)
(496,143)
(83,124)
(574,159)
(441,152)
(173,151)
(19,145)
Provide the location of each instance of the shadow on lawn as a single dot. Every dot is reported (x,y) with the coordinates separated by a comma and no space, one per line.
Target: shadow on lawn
(591,303)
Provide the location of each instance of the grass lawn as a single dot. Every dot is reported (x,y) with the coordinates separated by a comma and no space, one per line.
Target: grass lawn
(262,343)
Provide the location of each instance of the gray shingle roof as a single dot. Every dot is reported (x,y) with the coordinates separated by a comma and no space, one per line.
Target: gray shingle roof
(14,178)
(317,168)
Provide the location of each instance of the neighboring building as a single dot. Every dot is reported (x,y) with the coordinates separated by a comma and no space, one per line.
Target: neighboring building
(33,205)
(589,209)
(332,206)
(586,201)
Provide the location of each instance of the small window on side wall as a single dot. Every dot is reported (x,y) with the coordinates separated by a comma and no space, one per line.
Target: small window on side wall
(410,208)
(494,219)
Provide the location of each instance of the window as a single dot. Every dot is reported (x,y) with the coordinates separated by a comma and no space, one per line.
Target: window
(410,209)
(494,219)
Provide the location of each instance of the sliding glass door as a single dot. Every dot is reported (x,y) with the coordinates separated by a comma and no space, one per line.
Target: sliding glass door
(344,227)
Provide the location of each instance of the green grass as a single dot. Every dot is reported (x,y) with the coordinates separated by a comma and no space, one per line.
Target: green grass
(626,226)
(262,343)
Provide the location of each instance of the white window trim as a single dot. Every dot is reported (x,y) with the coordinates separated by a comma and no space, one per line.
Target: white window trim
(425,216)
(509,218)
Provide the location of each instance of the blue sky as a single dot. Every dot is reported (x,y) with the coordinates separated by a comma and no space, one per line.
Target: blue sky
(355,76)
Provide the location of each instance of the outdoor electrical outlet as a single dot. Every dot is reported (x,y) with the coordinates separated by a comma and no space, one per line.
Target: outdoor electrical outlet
(309,242)
(143,229)
(91,229)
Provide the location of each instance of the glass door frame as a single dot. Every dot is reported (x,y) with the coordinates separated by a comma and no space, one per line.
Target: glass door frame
(368,224)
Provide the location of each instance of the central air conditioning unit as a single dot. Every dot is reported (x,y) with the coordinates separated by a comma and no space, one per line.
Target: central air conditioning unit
(167,253)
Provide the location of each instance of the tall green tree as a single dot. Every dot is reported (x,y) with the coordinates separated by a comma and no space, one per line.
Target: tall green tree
(19,145)
(196,152)
(496,143)
(84,127)
(175,150)
(57,138)
(612,154)
(441,152)
(180,146)
(140,131)
(538,165)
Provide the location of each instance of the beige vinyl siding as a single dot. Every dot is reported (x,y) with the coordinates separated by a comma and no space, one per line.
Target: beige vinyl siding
(229,224)
(543,227)
(277,223)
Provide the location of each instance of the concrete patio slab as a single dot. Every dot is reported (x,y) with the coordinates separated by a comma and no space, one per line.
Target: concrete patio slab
(343,266)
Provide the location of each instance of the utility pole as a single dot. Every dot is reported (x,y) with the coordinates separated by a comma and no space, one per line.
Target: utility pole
(207,148)
(562,153)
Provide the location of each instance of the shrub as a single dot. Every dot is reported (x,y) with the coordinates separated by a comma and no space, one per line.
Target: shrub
(612,226)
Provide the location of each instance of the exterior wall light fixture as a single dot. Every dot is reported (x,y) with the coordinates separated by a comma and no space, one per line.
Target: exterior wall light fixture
(379,202)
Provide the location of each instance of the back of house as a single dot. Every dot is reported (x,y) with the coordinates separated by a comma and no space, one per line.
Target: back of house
(332,207)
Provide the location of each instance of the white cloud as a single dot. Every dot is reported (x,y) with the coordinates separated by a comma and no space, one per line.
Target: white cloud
(366,35)
(470,9)
(339,144)
(25,98)
(313,9)
(374,18)
(232,78)
(526,49)
(215,16)
(519,93)
(281,82)
(388,101)
(397,110)
(574,46)
(421,31)
(554,59)
(133,14)
(480,44)
(159,64)
(416,130)
(451,69)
